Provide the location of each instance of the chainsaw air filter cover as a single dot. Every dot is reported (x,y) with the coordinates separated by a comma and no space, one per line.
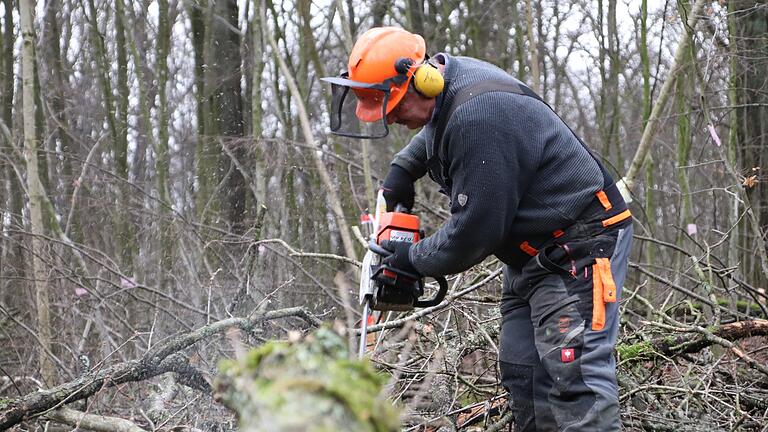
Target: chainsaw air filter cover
(396,226)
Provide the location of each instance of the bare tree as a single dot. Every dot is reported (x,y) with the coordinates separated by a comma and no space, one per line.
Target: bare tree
(35,192)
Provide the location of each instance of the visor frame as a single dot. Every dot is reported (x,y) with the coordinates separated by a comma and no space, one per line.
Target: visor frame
(385,86)
(342,81)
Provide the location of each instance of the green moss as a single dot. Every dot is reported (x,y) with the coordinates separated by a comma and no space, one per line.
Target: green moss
(634,351)
(255,356)
(742,306)
(669,340)
(308,385)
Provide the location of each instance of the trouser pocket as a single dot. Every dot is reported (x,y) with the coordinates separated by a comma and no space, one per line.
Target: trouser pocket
(559,328)
(559,335)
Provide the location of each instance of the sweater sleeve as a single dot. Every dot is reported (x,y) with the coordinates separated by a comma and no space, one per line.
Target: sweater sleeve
(489,169)
(413,157)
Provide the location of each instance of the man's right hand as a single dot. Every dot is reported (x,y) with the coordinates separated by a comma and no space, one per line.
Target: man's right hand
(398,188)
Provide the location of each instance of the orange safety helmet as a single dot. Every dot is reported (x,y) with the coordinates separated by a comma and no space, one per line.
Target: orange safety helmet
(373,60)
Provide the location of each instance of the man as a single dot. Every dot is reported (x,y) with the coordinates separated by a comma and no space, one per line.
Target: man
(524,188)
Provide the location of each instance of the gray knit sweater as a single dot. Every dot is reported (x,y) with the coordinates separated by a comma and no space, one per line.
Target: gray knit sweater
(514,172)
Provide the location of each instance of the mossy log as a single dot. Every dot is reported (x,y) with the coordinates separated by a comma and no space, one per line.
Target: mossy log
(307,385)
(683,343)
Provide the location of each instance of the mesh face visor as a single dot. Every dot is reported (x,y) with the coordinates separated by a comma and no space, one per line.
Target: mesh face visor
(359,110)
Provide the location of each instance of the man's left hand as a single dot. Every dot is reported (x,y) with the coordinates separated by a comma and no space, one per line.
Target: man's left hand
(400,258)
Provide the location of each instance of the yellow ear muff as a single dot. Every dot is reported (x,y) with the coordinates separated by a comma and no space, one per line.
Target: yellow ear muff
(428,81)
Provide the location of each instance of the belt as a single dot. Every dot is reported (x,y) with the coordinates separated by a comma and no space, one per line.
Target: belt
(606,210)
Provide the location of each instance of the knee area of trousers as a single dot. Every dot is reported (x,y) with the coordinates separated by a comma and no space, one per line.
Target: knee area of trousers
(517,378)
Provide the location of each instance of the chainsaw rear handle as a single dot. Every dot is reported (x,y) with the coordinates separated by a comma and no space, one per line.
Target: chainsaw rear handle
(442,290)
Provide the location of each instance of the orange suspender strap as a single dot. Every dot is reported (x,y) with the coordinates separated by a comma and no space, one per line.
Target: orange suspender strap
(616,219)
(527,248)
(603,198)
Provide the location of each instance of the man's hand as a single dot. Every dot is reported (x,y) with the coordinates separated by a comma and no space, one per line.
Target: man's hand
(398,188)
(399,259)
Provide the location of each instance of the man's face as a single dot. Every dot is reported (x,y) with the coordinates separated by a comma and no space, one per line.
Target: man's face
(413,111)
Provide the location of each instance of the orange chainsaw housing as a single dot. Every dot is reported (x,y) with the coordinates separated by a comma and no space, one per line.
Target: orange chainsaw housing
(397,226)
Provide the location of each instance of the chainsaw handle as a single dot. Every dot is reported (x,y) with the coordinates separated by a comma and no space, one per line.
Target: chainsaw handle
(378,250)
(438,298)
(441,281)
(401,208)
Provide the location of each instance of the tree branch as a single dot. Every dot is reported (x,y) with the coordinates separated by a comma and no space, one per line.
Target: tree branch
(163,358)
(92,421)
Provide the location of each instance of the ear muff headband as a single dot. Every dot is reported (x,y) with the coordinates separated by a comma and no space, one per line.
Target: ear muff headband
(427,80)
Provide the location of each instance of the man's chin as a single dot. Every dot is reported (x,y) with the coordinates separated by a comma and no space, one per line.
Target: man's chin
(413,125)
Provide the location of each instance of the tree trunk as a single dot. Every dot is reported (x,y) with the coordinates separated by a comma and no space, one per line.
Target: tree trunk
(683,151)
(34,188)
(533,48)
(58,96)
(519,41)
(204,154)
(379,11)
(750,24)
(15,262)
(734,241)
(162,157)
(9,39)
(650,178)
(227,104)
(320,388)
(613,91)
(257,65)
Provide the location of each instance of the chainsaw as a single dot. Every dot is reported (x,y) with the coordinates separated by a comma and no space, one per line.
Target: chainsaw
(385,288)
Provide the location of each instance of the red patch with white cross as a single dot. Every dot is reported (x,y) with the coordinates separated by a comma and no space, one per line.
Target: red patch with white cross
(567,355)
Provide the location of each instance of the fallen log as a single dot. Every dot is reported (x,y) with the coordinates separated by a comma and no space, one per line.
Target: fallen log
(691,341)
(306,385)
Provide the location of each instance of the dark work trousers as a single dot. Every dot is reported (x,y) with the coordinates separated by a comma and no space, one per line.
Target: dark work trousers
(556,363)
